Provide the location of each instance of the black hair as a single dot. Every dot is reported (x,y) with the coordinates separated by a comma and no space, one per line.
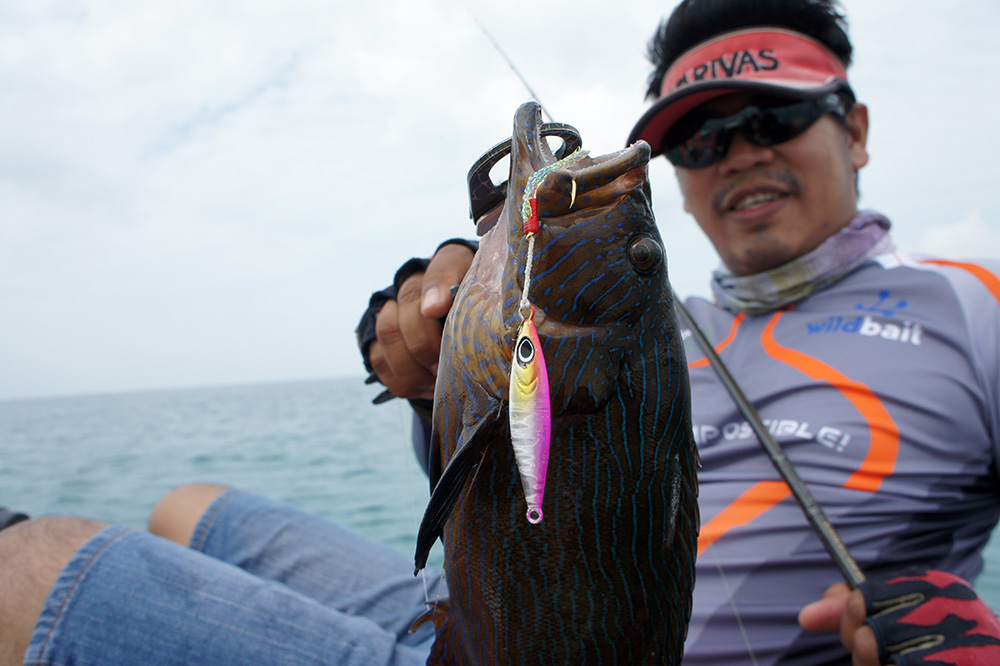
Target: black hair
(695,21)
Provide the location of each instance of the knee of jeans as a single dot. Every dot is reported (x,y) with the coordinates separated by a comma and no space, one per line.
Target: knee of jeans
(177,513)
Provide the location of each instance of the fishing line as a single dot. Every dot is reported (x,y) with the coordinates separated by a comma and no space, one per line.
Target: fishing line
(510,63)
(524,305)
(732,604)
(427,594)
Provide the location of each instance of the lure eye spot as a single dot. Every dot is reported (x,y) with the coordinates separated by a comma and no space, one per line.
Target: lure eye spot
(645,254)
(525,352)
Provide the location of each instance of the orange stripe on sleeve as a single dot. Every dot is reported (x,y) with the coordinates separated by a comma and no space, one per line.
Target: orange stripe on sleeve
(747,507)
(701,363)
(989,280)
(883,447)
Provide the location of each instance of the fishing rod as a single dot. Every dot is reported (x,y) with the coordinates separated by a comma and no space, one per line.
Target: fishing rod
(814,513)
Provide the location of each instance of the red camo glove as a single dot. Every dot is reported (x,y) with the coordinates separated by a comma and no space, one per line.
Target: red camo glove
(923,617)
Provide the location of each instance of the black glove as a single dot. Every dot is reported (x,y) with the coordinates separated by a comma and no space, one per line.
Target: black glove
(365,331)
(923,617)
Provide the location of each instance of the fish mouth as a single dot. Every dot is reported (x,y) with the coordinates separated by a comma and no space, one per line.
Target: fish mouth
(586,183)
(600,183)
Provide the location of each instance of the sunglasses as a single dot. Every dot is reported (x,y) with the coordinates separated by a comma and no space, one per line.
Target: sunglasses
(707,144)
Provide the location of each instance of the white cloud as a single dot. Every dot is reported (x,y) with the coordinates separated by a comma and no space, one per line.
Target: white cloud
(968,237)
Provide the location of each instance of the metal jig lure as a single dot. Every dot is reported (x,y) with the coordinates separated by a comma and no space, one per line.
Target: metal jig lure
(530,408)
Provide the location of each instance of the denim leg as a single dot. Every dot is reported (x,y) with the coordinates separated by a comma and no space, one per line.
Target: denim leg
(127,597)
(319,559)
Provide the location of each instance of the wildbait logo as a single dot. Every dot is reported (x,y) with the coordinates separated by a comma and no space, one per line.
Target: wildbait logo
(731,65)
(872,326)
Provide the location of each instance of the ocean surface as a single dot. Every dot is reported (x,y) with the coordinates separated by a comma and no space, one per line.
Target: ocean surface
(320,445)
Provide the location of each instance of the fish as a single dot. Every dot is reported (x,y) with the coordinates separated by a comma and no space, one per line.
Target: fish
(606,576)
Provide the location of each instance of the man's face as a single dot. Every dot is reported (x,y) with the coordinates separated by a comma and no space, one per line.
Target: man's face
(764,206)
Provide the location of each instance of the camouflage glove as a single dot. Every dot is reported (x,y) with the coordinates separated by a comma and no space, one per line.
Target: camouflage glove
(924,617)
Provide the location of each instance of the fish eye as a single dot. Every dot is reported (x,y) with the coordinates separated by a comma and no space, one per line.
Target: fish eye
(645,253)
(525,352)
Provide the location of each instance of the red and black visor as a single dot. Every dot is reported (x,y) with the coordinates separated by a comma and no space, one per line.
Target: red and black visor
(769,61)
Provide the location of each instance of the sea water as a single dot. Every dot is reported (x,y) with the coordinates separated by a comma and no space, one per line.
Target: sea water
(321,445)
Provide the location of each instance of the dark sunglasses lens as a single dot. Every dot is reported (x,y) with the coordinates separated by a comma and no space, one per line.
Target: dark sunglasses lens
(764,127)
(784,123)
(704,148)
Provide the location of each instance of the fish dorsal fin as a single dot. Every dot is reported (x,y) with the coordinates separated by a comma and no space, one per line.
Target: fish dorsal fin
(448,489)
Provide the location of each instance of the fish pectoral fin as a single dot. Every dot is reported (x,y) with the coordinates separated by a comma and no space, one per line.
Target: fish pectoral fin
(436,614)
(448,489)
(449,634)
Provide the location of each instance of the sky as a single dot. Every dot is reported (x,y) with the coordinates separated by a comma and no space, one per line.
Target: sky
(206,192)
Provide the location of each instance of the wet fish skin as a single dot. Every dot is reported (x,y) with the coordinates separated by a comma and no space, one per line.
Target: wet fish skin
(606,577)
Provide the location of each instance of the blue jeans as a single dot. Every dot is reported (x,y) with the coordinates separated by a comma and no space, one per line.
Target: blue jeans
(263,583)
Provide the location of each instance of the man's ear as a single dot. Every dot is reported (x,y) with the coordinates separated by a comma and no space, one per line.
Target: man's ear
(857,135)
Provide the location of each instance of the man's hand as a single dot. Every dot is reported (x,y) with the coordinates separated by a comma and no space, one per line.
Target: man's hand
(915,618)
(842,610)
(405,352)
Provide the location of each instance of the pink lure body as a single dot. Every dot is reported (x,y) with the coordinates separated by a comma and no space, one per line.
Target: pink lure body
(530,416)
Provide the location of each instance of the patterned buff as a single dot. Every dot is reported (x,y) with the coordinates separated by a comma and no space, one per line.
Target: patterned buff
(867,235)
(930,618)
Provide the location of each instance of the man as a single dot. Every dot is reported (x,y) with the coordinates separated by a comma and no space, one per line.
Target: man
(854,354)
(876,373)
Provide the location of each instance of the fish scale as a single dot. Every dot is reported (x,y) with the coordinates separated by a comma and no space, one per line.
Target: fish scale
(606,577)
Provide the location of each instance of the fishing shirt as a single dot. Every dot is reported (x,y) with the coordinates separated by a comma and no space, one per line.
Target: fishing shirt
(882,390)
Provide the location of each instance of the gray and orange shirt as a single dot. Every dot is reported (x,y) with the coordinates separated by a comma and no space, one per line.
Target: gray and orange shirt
(883,391)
